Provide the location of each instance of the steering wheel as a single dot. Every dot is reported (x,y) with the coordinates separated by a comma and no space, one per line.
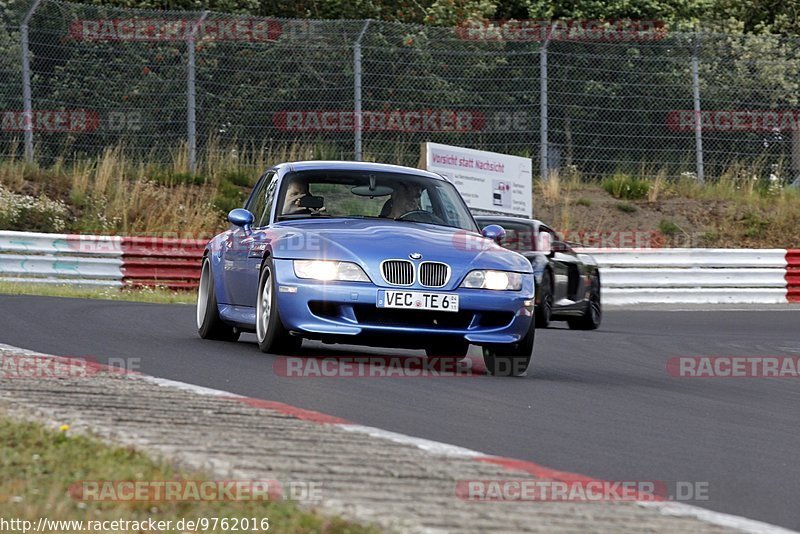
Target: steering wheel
(421,216)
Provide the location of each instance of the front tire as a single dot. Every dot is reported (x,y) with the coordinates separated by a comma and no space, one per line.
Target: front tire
(271,334)
(591,318)
(544,311)
(513,359)
(209,324)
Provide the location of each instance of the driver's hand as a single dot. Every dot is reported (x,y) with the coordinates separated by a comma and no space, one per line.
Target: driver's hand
(294,200)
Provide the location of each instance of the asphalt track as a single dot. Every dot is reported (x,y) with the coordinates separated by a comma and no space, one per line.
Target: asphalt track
(597,403)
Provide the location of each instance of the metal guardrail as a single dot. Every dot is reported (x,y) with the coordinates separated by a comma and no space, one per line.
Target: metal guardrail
(90,260)
(708,276)
(629,276)
(60,259)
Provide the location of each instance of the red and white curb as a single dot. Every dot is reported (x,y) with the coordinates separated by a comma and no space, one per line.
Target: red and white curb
(666,508)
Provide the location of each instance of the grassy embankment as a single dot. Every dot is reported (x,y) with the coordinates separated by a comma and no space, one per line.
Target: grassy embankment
(733,211)
(116,194)
(38,466)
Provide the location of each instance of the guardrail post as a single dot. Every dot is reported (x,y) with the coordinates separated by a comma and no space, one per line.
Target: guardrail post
(357,123)
(27,100)
(191,106)
(698,122)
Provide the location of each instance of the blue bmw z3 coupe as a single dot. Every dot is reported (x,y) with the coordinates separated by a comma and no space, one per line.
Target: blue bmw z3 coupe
(366,254)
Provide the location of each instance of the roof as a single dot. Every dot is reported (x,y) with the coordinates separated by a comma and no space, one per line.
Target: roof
(506,218)
(355,166)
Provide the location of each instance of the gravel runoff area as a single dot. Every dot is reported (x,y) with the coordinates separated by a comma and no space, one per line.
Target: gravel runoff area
(366,475)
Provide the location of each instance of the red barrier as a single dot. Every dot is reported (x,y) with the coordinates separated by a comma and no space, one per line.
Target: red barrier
(793,275)
(163,262)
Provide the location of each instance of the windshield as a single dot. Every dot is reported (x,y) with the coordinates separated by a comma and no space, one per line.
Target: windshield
(370,194)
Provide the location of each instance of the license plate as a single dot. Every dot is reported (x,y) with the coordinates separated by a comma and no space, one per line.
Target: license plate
(418,300)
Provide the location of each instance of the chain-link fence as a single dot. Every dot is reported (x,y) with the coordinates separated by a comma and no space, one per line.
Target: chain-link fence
(197,83)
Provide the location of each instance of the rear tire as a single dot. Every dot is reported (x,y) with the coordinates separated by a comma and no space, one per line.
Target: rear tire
(544,311)
(209,323)
(271,334)
(592,317)
(513,359)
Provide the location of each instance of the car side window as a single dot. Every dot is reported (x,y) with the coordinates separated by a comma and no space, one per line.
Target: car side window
(258,201)
(271,188)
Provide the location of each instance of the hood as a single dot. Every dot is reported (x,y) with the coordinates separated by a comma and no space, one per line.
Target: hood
(370,241)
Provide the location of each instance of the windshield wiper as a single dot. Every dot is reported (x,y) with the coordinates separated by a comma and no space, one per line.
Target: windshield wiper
(293,216)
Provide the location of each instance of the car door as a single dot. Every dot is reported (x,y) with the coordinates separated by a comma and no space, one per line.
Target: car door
(242,259)
(564,263)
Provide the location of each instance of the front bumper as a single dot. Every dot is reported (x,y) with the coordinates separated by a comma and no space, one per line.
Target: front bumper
(348,309)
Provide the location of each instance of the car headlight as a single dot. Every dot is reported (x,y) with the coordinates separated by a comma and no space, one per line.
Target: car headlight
(496,280)
(326,270)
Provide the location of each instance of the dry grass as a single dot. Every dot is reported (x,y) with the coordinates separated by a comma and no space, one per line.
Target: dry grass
(118,193)
(550,189)
(13,169)
(657,186)
(737,209)
(560,192)
(769,220)
(150,295)
(38,467)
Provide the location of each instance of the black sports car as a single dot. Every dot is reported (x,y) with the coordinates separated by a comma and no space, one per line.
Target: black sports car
(567,282)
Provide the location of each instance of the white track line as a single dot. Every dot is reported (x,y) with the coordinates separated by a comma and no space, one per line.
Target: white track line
(674,509)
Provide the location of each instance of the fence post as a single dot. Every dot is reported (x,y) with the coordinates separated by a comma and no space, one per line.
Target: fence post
(543,170)
(191,105)
(27,100)
(357,124)
(698,122)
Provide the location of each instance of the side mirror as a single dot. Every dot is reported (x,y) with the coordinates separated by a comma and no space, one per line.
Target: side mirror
(241,217)
(558,246)
(495,232)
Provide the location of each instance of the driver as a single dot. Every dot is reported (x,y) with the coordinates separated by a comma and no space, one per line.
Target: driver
(295,191)
(405,198)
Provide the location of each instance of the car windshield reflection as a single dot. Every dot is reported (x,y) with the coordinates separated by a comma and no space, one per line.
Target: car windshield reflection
(372,195)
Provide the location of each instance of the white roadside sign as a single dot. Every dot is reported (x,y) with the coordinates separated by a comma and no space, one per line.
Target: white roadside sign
(488,181)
